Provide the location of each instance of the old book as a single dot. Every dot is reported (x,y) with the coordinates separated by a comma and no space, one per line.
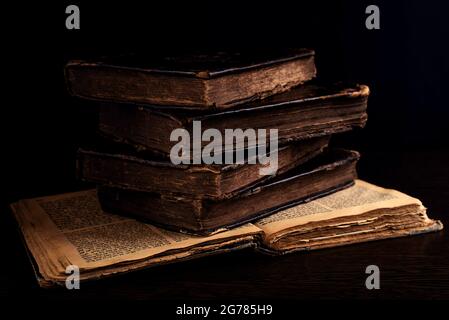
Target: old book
(120,166)
(306,111)
(329,172)
(220,80)
(70,230)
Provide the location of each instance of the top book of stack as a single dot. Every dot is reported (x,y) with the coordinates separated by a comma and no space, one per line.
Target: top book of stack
(220,81)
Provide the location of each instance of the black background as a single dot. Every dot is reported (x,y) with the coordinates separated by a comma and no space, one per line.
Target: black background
(405,63)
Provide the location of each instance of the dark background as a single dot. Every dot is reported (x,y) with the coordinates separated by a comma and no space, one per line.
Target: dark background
(404,146)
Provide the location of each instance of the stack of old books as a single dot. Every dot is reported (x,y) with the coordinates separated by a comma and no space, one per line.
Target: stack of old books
(202,154)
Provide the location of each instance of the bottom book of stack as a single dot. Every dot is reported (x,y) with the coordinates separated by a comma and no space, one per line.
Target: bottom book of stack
(71,229)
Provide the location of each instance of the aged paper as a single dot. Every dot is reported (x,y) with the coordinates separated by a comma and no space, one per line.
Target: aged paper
(362,197)
(360,213)
(71,229)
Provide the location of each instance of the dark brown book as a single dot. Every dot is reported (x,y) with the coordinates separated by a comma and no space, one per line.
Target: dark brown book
(327,173)
(117,165)
(220,80)
(306,111)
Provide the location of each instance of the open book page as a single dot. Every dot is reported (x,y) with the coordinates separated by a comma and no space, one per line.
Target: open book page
(360,213)
(71,229)
(358,199)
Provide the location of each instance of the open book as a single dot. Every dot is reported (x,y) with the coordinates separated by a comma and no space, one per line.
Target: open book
(71,229)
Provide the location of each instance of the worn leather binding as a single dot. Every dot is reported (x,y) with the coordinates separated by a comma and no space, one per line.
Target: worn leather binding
(329,172)
(220,80)
(120,167)
(304,112)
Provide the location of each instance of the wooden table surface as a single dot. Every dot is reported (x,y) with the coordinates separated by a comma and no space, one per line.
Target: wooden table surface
(415,267)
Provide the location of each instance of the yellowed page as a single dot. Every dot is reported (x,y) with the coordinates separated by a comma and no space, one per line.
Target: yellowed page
(358,199)
(71,229)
